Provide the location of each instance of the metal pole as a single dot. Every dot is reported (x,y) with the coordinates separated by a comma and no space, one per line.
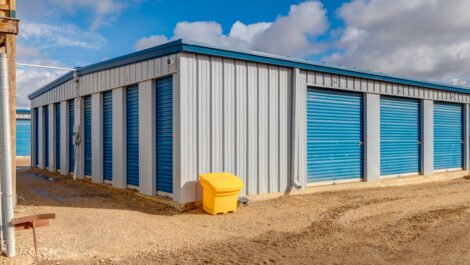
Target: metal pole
(295,158)
(5,154)
(76,133)
(45,66)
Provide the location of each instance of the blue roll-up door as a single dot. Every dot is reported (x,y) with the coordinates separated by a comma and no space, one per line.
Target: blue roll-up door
(57,135)
(334,135)
(46,136)
(88,136)
(448,135)
(36,137)
(71,144)
(108,135)
(23,137)
(164,136)
(400,136)
(133,135)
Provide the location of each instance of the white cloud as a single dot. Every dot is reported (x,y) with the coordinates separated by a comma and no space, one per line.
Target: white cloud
(150,41)
(291,35)
(45,36)
(422,38)
(30,79)
(247,32)
(103,11)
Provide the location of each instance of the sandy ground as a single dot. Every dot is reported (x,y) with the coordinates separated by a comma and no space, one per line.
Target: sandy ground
(418,224)
(23,161)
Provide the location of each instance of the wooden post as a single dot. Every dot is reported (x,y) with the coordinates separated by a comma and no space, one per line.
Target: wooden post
(8,32)
(11,53)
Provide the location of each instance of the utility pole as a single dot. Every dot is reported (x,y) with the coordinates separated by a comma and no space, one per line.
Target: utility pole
(9,27)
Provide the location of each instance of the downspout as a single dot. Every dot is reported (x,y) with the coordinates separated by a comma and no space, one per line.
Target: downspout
(295,150)
(76,129)
(5,153)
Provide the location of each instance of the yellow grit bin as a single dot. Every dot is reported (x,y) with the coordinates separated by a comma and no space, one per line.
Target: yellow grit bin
(220,192)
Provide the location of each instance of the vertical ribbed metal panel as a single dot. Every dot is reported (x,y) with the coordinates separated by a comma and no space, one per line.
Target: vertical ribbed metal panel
(400,136)
(334,135)
(36,136)
(448,135)
(23,137)
(236,116)
(109,79)
(88,136)
(46,136)
(57,136)
(164,135)
(133,135)
(108,135)
(71,143)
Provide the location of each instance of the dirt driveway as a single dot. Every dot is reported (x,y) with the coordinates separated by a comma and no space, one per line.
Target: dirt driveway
(419,224)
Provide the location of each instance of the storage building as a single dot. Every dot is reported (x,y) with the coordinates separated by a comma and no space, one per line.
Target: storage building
(155,119)
(23,132)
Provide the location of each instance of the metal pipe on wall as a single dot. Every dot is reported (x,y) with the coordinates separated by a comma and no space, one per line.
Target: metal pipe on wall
(295,141)
(6,155)
(76,133)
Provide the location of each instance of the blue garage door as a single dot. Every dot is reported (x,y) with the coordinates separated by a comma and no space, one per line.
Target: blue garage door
(334,135)
(71,145)
(36,138)
(57,135)
(448,135)
(133,135)
(400,136)
(108,135)
(165,134)
(88,136)
(23,137)
(46,136)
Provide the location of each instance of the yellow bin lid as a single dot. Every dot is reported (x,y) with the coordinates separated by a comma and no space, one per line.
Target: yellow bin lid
(221,182)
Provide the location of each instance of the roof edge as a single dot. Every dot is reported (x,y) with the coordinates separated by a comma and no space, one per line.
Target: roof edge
(260,57)
(23,111)
(153,52)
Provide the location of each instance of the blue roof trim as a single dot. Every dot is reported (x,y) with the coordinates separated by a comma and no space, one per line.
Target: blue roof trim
(259,57)
(23,111)
(154,52)
(59,81)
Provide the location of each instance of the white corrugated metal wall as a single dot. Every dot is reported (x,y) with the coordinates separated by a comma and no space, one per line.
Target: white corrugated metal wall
(235,116)
(109,79)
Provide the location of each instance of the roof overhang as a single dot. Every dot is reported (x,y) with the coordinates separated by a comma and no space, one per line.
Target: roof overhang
(258,57)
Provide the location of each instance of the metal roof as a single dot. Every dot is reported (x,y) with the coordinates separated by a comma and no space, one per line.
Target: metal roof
(23,111)
(259,57)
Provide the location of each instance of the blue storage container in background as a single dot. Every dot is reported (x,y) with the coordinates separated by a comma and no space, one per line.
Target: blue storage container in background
(23,134)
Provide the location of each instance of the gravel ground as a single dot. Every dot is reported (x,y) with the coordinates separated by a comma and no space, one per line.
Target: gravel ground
(417,224)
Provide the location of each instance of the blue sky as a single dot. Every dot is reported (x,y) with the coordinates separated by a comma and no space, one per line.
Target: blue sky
(421,38)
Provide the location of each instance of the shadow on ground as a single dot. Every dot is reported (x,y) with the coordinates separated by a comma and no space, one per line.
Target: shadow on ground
(39,188)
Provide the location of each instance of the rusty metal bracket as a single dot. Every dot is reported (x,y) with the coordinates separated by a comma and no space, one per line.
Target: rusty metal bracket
(32,222)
